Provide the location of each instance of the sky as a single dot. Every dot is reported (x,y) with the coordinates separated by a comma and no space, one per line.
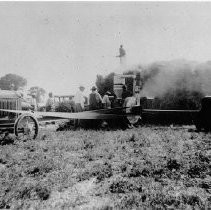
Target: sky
(61,45)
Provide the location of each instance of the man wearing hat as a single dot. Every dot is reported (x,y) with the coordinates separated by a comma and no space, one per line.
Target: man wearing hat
(106,100)
(95,99)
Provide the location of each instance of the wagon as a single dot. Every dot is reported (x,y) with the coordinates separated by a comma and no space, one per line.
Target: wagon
(22,125)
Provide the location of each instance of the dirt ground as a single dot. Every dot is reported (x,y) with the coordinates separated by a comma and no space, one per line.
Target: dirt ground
(151,167)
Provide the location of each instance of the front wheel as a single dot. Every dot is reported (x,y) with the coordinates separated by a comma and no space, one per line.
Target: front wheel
(26,127)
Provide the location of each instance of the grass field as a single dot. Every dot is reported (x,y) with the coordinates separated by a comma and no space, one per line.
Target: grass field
(146,167)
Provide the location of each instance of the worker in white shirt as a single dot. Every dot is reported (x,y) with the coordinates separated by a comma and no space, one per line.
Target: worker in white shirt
(79,100)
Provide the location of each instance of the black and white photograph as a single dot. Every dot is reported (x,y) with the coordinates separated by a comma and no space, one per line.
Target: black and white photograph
(105,105)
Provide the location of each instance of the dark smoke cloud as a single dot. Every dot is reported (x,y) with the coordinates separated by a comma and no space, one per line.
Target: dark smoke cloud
(162,77)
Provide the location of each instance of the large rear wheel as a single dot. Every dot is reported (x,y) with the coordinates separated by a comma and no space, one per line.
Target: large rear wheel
(26,127)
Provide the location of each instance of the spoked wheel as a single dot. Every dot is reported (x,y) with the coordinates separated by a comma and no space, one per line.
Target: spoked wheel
(133,119)
(26,127)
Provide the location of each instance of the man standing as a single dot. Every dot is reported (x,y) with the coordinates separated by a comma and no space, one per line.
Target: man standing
(50,106)
(95,99)
(79,100)
(106,100)
(122,54)
(125,93)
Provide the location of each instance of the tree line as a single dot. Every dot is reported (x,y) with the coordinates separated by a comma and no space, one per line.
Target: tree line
(16,82)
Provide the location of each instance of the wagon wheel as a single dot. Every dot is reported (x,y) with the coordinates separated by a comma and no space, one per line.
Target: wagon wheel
(133,119)
(26,127)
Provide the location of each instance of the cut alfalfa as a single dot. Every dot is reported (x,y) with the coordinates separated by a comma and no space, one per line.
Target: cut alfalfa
(173,164)
(33,190)
(133,138)
(7,139)
(120,184)
(66,125)
(129,201)
(102,171)
(43,192)
(197,171)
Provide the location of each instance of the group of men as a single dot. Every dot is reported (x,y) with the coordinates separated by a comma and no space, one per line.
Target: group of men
(95,101)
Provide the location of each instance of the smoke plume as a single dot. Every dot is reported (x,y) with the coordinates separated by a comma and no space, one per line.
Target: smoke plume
(161,78)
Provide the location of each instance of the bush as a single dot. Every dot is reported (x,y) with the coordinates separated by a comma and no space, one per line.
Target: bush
(67,106)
